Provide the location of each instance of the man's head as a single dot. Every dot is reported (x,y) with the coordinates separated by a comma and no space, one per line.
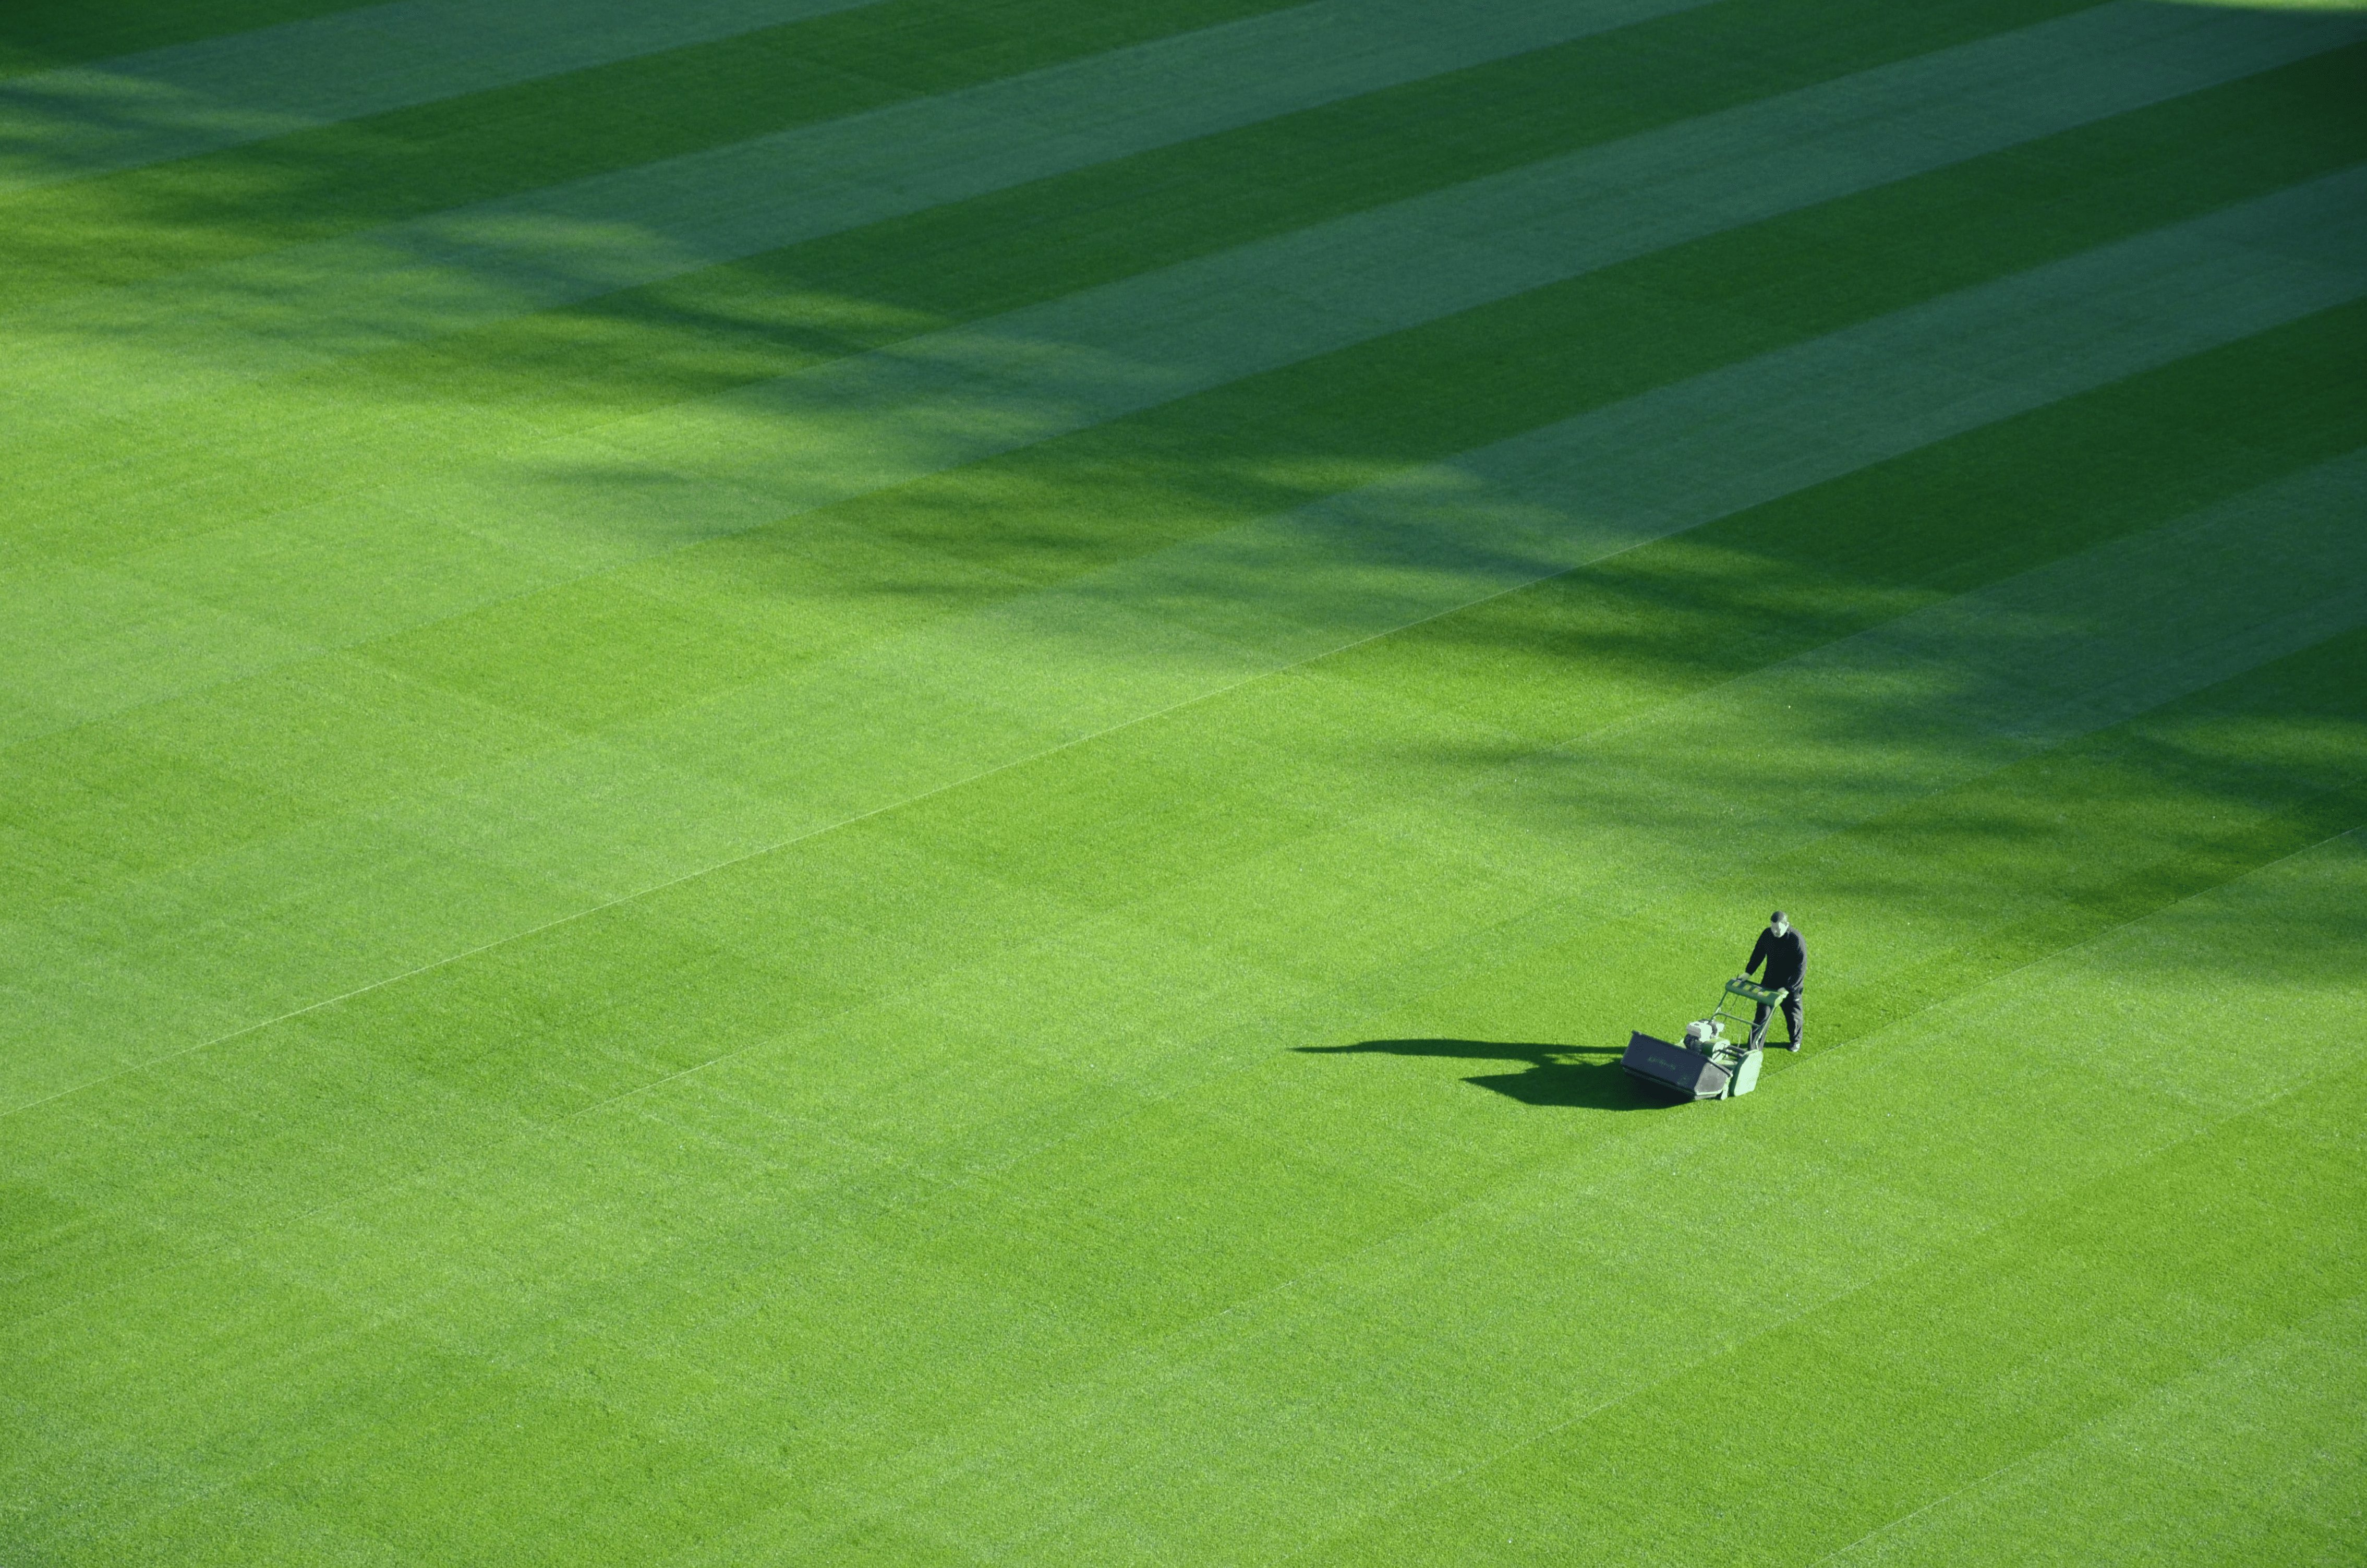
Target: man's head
(1779,922)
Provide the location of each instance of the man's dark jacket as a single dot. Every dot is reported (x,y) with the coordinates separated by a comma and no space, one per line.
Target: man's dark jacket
(1786,958)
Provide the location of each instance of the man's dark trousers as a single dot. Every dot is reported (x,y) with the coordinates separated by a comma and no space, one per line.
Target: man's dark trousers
(1791,1018)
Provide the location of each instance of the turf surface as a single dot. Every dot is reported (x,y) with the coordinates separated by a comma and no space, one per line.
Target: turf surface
(788,781)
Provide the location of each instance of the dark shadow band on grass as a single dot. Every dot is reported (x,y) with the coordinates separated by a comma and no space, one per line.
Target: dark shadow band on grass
(1548,1081)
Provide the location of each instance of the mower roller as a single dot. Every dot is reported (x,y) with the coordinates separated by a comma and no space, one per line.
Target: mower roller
(1707,1065)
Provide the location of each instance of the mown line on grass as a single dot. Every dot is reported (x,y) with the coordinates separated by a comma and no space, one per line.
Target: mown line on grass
(1130,210)
(700,104)
(1453,1223)
(715,1060)
(2015,307)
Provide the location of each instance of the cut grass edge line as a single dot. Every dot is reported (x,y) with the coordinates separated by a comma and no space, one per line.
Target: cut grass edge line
(1335,1265)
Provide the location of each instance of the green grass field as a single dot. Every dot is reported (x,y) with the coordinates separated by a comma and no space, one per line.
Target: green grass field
(884,782)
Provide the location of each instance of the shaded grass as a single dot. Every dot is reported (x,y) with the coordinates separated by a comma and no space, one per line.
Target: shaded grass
(41,34)
(967,260)
(313,185)
(1277,440)
(1837,558)
(2107,830)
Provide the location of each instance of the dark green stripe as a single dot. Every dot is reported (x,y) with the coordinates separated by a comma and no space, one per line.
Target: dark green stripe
(708,331)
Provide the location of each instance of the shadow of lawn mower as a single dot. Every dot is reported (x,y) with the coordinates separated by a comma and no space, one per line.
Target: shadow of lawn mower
(1707,1065)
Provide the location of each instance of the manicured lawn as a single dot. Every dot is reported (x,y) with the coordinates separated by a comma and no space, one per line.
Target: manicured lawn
(806,781)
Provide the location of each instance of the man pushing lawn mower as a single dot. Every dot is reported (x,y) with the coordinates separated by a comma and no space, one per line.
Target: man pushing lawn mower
(1709,1065)
(1786,958)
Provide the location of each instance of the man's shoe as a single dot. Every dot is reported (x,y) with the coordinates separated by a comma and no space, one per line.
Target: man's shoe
(1791,1045)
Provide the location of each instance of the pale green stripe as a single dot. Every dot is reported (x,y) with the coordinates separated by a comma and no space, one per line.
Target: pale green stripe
(2203,1471)
(197,97)
(302,305)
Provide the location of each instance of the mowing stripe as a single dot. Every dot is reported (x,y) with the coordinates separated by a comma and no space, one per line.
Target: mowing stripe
(1203,617)
(1420,394)
(1424,543)
(2188,1454)
(195,97)
(1333,284)
(1266,1319)
(770,450)
(781,311)
(915,715)
(454,270)
(45,36)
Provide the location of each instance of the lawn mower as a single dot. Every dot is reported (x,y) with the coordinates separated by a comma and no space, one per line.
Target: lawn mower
(1707,1064)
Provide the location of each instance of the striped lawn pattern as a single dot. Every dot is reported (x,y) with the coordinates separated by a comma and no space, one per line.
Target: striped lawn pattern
(796,780)
(179,100)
